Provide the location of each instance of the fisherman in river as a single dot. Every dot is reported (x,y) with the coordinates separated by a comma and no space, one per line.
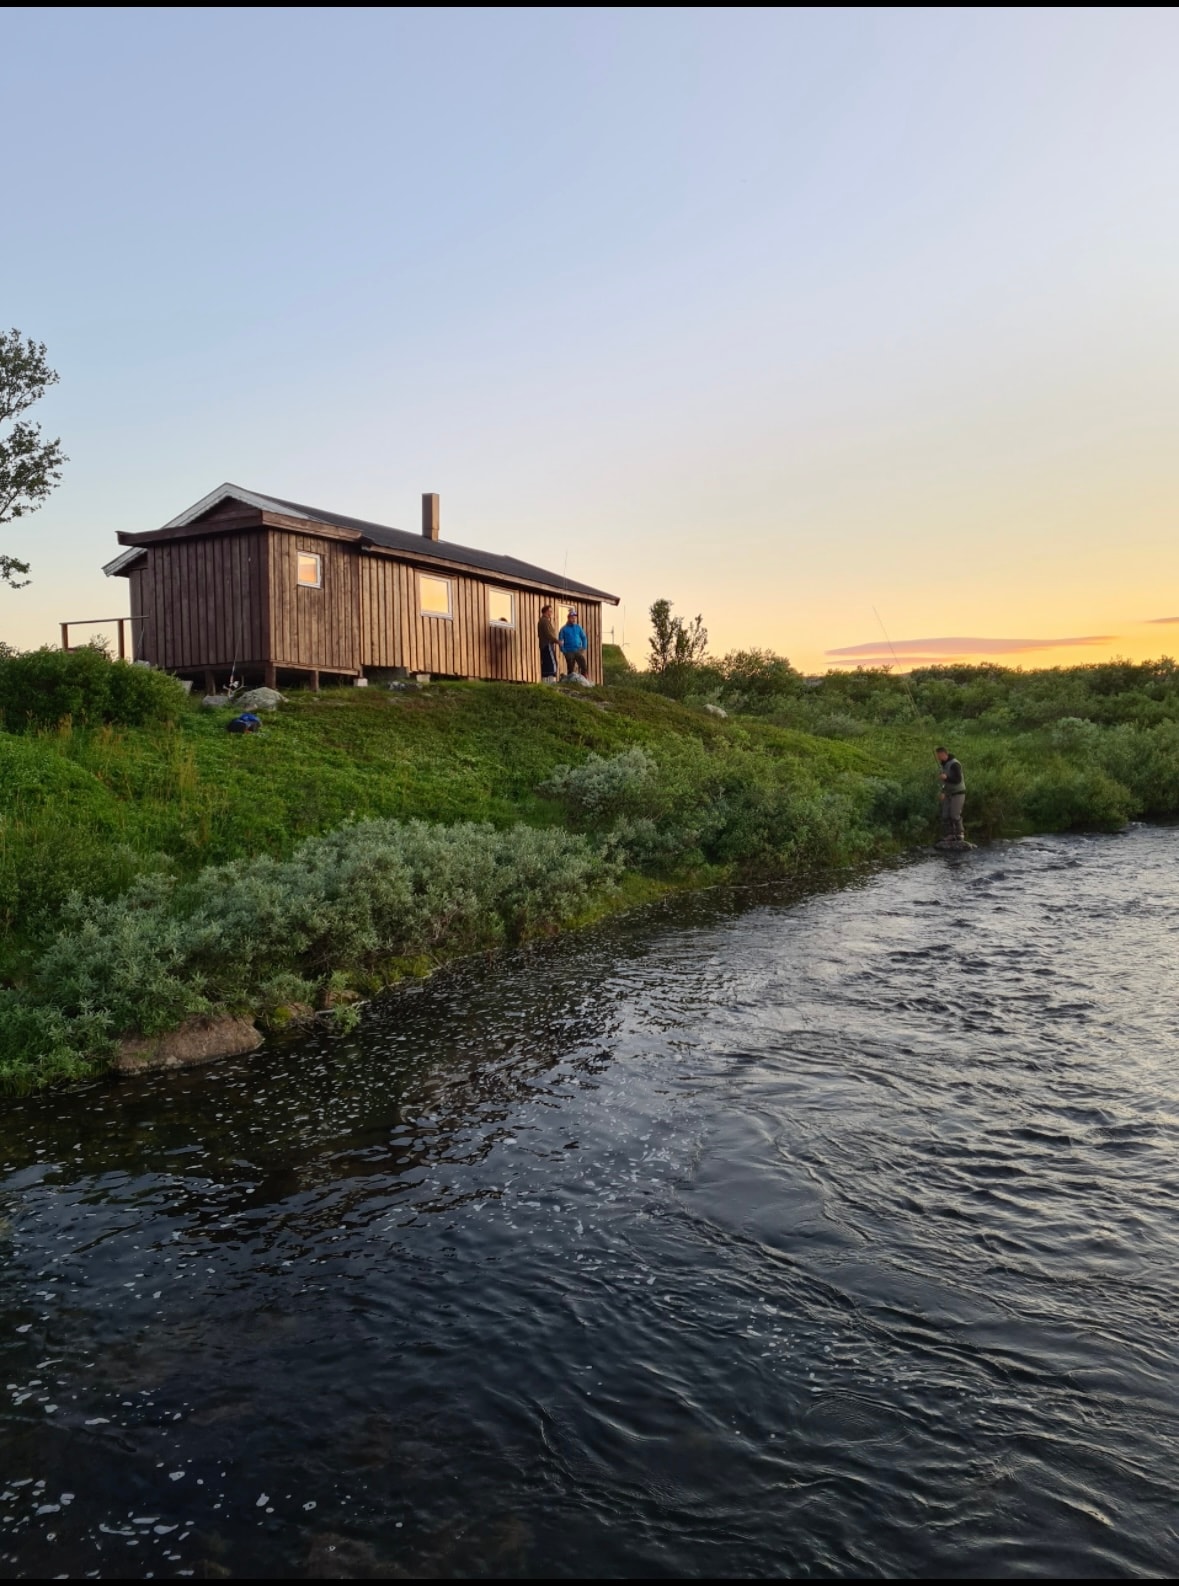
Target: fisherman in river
(952,796)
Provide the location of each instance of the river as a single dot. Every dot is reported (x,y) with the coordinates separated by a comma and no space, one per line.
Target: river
(745,1235)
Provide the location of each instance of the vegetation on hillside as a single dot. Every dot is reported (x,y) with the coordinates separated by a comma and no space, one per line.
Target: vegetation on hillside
(153,866)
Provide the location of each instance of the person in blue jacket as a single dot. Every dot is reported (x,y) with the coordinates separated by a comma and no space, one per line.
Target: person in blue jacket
(574,646)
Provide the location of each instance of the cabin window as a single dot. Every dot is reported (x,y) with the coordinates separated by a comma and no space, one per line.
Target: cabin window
(310,573)
(434,596)
(501,608)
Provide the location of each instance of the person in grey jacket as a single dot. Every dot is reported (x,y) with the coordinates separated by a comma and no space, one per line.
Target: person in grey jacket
(953,794)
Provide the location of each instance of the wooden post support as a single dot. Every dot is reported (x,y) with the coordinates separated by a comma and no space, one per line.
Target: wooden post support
(122,642)
(271,675)
(314,683)
(65,636)
(210,682)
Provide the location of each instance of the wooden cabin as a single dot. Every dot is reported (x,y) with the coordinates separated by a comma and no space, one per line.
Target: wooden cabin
(275,592)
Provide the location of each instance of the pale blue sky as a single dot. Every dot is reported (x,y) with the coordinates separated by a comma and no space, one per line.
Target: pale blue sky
(783,315)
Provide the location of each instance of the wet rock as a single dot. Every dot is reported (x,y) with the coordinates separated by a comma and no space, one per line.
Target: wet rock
(953,845)
(199,1040)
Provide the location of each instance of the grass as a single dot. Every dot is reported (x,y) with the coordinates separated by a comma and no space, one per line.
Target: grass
(194,794)
(87,811)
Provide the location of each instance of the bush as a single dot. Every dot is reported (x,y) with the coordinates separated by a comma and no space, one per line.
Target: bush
(1069,797)
(46,688)
(838,724)
(997,795)
(727,805)
(243,936)
(757,681)
(600,788)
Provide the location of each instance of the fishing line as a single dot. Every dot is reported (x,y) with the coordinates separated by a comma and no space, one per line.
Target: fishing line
(903,676)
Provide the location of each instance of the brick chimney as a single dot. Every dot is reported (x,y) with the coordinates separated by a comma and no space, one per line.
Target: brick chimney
(430,516)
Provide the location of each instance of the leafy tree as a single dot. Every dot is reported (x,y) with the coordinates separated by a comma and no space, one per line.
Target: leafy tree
(29,467)
(676,666)
(674,642)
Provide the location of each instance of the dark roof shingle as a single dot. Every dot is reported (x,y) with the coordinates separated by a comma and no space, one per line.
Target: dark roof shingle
(377,534)
(486,561)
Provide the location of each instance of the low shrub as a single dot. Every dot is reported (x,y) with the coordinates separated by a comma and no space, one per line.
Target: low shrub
(254,933)
(44,688)
(601,788)
(725,804)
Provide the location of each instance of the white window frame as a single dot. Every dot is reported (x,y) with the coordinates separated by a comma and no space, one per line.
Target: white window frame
(444,616)
(498,622)
(315,557)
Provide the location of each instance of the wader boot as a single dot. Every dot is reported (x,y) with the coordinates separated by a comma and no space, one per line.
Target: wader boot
(952,816)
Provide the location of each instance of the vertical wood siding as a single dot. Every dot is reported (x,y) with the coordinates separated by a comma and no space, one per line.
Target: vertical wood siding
(141,642)
(394,632)
(202,602)
(315,628)
(207,602)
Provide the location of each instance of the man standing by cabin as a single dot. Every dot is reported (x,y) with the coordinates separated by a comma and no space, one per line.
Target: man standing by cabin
(574,646)
(546,632)
(952,796)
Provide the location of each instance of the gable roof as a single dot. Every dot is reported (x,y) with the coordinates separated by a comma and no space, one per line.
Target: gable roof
(378,535)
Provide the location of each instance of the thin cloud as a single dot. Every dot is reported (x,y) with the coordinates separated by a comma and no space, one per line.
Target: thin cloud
(891,660)
(1154,620)
(931,649)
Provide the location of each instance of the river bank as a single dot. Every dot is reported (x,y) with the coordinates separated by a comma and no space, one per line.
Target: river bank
(157,874)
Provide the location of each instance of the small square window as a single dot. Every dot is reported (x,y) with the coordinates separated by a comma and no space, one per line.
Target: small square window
(501,608)
(434,596)
(310,574)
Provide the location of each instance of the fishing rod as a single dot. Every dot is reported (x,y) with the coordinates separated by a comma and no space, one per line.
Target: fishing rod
(896,659)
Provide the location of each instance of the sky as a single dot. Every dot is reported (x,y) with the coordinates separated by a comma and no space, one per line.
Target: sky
(855,331)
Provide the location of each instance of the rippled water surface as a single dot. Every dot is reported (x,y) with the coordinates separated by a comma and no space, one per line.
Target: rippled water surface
(745,1236)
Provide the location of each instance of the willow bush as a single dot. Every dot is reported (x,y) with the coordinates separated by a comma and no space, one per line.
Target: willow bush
(245,935)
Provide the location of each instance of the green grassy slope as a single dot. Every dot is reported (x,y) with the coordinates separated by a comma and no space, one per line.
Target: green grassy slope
(662,794)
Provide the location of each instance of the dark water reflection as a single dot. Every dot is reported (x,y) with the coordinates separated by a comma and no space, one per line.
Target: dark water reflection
(826,1237)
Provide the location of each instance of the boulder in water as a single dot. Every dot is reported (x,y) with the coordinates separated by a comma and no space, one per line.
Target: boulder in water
(198,1040)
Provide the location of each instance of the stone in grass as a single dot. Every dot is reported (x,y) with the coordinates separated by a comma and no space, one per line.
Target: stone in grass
(259,699)
(197,1040)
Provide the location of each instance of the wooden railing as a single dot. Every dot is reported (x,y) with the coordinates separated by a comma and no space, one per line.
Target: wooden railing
(93,622)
